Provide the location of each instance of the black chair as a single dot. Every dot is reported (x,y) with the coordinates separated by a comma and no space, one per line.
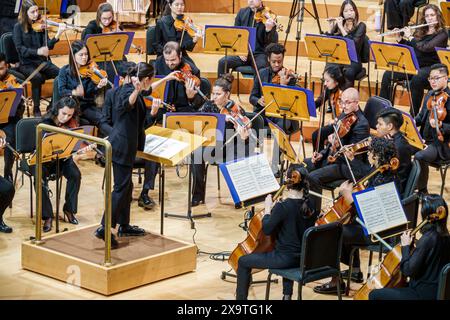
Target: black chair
(373,106)
(55,96)
(247,72)
(444,284)
(150,38)
(442,166)
(419,6)
(413,178)
(320,258)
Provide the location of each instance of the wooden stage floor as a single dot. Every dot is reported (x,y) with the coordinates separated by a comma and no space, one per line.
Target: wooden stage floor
(219,233)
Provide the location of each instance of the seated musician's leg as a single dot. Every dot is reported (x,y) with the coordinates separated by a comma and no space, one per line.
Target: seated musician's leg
(424,157)
(231,62)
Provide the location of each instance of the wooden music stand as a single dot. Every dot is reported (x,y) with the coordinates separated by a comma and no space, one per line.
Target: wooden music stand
(285,144)
(53,6)
(411,132)
(445,8)
(231,41)
(9,101)
(187,143)
(444,53)
(330,49)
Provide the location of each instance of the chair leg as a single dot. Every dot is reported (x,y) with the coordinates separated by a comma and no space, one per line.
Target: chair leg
(368,80)
(31,196)
(218,179)
(369,263)
(139,176)
(300,290)
(350,270)
(339,288)
(268,285)
(443,172)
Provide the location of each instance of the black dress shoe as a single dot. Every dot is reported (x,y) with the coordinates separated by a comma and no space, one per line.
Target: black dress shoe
(4,228)
(196,202)
(356,276)
(130,231)
(70,217)
(287,297)
(146,202)
(329,288)
(100,233)
(48,225)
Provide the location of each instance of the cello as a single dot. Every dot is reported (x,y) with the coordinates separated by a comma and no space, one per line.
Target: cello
(256,240)
(389,274)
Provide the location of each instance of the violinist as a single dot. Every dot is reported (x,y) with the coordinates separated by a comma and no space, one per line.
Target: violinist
(127,137)
(86,91)
(334,83)
(6,196)
(220,103)
(170,28)
(33,48)
(7,80)
(424,41)
(380,153)
(275,56)
(183,95)
(422,263)
(435,132)
(348,25)
(64,113)
(323,172)
(287,221)
(266,34)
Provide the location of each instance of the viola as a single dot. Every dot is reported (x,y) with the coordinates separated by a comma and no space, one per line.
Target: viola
(389,274)
(185,23)
(256,240)
(71,124)
(354,149)
(342,210)
(51,25)
(113,27)
(235,115)
(264,13)
(335,100)
(186,73)
(149,102)
(344,126)
(438,112)
(276,79)
(91,70)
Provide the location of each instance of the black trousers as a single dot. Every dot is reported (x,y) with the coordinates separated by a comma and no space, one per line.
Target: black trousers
(418,84)
(10,131)
(91,113)
(350,72)
(70,171)
(264,260)
(399,12)
(325,132)
(6,195)
(424,292)
(50,71)
(233,62)
(121,195)
(430,154)
(150,172)
(352,234)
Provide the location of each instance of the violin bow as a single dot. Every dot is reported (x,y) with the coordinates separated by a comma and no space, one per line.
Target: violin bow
(321,119)
(336,136)
(256,67)
(74,62)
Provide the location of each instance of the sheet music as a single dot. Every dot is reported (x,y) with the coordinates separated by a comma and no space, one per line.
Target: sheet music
(381,208)
(252,177)
(163,147)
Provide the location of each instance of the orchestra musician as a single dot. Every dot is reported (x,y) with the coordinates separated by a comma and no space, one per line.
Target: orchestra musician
(64,113)
(69,83)
(166,31)
(381,151)
(220,103)
(6,196)
(275,56)
(287,221)
(347,25)
(33,48)
(422,263)
(334,83)
(265,34)
(323,172)
(424,40)
(7,80)
(438,146)
(399,12)
(127,137)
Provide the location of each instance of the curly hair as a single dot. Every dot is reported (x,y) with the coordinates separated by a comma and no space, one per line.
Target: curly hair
(384,149)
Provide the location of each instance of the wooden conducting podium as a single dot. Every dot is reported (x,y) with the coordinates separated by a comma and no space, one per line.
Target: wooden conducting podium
(137,261)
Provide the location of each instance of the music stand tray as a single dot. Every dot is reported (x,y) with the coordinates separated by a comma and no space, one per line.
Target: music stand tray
(394,57)
(9,101)
(444,53)
(330,49)
(230,41)
(445,8)
(109,46)
(285,144)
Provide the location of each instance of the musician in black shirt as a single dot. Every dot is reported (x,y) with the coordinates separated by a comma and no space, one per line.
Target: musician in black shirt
(423,262)
(287,221)
(399,12)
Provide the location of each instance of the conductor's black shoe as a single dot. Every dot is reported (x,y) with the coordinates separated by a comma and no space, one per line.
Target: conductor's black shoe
(48,225)
(356,276)
(329,288)
(130,231)
(100,233)
(146,202)
(4,228)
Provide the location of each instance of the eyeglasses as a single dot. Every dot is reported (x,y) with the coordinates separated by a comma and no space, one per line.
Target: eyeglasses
(436,78)
(347,101)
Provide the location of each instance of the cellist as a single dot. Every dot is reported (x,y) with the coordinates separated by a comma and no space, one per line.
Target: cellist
(287,221)
(422,263)
(381,151)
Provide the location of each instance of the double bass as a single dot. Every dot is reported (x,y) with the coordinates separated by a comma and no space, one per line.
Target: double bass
(256,240)
(389,274)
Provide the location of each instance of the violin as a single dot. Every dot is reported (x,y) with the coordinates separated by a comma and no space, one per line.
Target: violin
(335,101)
(91,70)
(71,124)
(114,27)
(344,126)
(276,79)
(438,112)
(389,274)
(46,24)
(234,114)
(341,209)
(186,73)
(355,149)
(185,23)
(149,102)
(256,240)
(264,13)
